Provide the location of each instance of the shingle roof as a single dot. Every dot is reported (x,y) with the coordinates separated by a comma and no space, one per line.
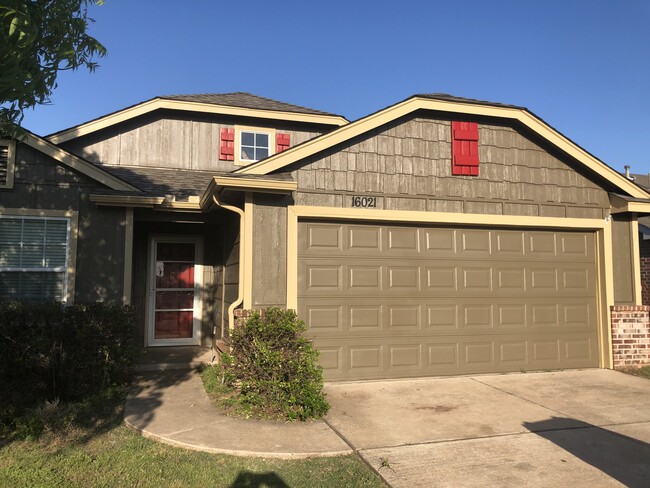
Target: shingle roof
(245,100)
(452,98)
(182,183)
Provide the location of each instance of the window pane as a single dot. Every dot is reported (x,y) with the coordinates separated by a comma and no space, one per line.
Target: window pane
(55,255)
(261,153)
(31,286)
(10,232)
(33,231)
(175,251)
(32,256)
(247,153)
(262,140)
(10,286)
(247,138)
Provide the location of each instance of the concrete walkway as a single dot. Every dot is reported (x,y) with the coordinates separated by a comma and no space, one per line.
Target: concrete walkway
(172,407)
(586,428)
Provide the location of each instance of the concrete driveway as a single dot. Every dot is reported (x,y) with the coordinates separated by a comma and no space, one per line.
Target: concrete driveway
(569,428)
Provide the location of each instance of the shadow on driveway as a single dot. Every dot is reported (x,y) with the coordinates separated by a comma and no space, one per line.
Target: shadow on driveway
(622,458)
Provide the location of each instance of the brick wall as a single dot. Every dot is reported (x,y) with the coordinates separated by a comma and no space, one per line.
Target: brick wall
(644,251)
(631,335)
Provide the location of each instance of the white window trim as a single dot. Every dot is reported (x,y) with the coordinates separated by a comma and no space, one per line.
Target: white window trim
(11,163)
(71,244)
(260,130)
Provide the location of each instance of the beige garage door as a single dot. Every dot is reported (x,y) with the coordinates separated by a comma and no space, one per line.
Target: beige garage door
(400,301)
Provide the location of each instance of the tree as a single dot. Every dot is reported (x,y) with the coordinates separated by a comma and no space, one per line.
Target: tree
(39,38)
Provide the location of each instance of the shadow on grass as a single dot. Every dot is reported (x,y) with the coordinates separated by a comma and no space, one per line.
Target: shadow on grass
(622,458)
(247,479)
(77,423)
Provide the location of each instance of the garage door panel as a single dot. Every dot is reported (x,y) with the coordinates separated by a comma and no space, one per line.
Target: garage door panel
(400,301)
(440,243)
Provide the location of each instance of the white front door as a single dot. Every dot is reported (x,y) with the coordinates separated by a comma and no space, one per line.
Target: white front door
(174,291)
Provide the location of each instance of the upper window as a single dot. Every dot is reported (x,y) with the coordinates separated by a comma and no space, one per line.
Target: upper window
(254,145)
(246,145)
(7,160)
(34,258)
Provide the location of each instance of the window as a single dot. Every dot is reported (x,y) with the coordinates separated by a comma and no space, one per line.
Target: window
(7,160)
(34,258)
(253,146)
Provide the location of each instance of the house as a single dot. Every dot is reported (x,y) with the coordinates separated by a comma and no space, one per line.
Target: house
(440,235)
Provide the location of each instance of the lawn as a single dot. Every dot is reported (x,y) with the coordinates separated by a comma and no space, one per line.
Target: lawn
(98,450)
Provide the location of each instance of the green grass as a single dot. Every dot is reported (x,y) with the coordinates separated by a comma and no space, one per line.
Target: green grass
(643,371)
(96,449)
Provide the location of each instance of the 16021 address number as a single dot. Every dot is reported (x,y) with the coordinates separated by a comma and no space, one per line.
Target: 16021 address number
(364,202)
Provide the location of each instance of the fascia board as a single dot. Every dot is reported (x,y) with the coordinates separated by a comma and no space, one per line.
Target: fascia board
(209,108)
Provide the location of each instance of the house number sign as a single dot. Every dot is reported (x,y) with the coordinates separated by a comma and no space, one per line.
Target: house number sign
(364,202)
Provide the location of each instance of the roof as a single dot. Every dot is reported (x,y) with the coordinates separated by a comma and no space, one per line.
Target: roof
(454,105)
(237,104)
(452,98)
(245,100)
(181,183)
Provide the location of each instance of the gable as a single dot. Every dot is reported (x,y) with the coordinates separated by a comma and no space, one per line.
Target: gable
(174,139)
(407,165)
(202,104)
(468,110)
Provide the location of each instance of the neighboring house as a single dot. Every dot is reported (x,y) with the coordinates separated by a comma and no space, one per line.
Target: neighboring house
(440,235)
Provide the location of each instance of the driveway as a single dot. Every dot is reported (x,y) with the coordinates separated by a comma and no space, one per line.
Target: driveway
(569,428)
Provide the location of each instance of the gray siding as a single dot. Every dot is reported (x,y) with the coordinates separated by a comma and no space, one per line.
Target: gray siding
(407,165)
(623,261)
(171,140)
(269,252)
(43,183)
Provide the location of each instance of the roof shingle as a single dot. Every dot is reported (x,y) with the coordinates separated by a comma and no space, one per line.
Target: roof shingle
(245,100)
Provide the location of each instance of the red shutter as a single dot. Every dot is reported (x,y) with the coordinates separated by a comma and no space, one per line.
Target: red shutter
(464,148)
(227,145)
(282,142)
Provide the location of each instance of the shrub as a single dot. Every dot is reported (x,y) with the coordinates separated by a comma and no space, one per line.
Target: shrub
(51,353)
(274,367)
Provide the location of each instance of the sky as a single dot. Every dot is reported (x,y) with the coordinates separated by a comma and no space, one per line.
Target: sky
(581,65)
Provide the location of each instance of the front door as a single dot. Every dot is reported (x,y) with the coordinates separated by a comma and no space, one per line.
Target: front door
(174,308)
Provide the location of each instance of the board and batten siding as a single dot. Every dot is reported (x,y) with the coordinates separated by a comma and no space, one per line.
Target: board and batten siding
(407,165)
(167,140)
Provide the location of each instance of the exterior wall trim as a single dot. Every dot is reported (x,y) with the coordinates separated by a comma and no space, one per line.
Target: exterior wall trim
(247,261)
(602,227)
(410,105)
(636,258)
(208,108)
(73,215)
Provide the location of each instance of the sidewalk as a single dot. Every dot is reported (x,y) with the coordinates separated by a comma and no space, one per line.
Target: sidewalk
(172,407)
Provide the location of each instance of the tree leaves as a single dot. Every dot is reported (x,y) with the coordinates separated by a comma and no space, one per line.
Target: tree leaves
(39,38)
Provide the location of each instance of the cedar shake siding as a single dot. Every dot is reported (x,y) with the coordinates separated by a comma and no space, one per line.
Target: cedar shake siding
(169,139)
(407,166)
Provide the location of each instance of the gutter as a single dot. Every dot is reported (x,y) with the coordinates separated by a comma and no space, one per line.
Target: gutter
(242,264)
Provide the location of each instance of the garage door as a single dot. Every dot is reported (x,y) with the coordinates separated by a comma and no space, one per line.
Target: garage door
(404,301)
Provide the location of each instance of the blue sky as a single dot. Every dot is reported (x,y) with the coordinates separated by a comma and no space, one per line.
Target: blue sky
(581,65)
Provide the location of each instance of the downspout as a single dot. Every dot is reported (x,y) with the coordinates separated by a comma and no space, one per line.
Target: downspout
(240,291)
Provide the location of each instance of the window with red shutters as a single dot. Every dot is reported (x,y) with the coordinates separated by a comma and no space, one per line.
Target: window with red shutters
(464,148)
(282,142)
(227,145)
